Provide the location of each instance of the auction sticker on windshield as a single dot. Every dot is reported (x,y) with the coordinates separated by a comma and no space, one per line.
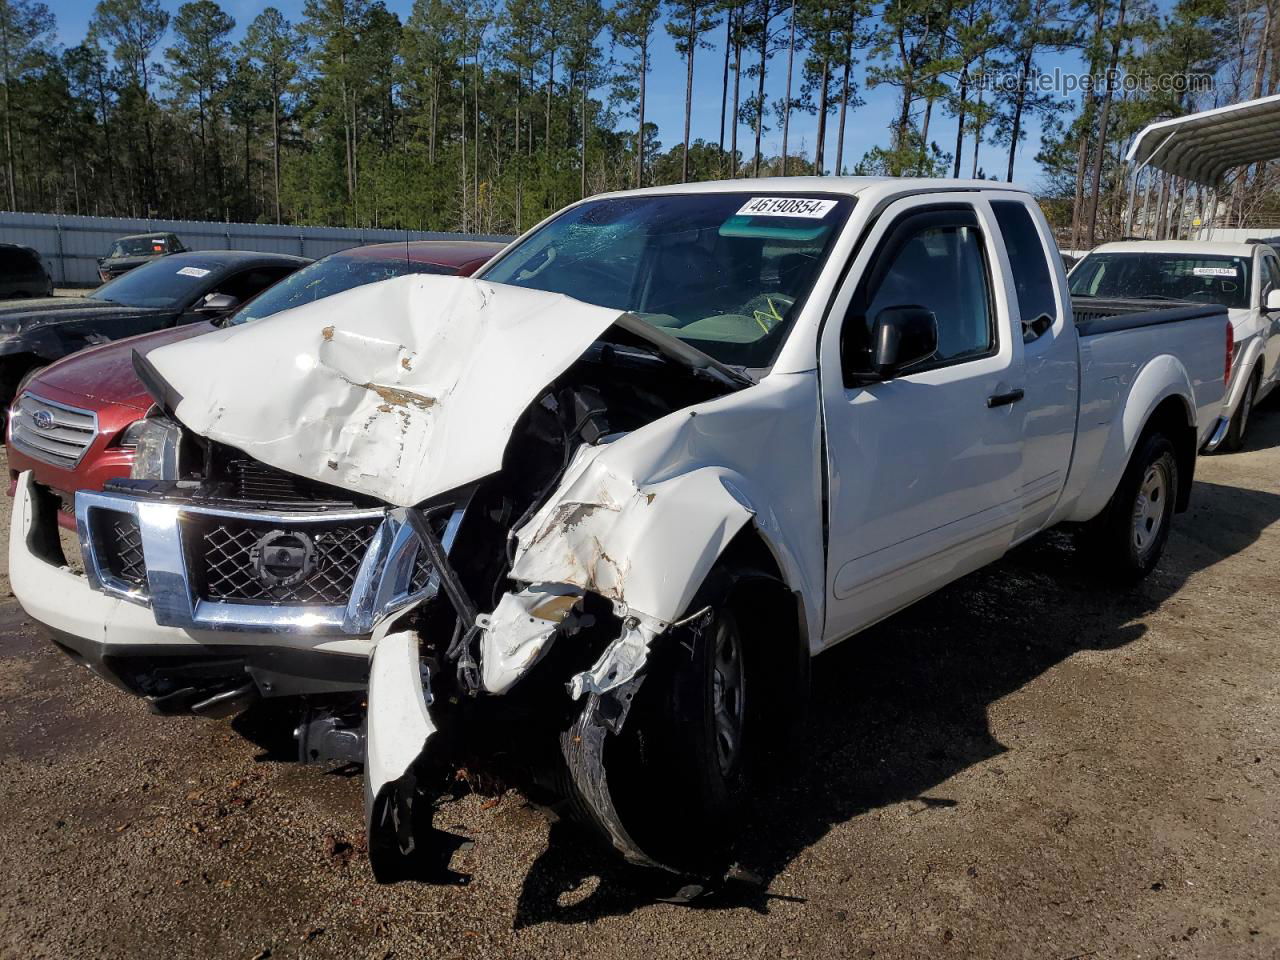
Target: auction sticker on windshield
(786,207)
(1215,271)
(193,272)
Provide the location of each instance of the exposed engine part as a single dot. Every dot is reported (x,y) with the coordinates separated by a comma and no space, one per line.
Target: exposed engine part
(624,658)
(520,630)
(325,736)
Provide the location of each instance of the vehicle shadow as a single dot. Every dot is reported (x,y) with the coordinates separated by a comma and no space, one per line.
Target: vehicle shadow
(899,710)
(1264,424)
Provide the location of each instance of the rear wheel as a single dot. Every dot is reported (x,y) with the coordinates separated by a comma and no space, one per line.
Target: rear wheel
(1129,536)
(1240,419)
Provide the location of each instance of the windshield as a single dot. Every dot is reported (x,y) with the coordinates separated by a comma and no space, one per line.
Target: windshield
(1163,276)
(326,277)
(169,282)
(726,272)
(139,247)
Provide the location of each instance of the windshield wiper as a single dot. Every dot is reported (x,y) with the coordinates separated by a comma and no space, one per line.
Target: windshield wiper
(677,351)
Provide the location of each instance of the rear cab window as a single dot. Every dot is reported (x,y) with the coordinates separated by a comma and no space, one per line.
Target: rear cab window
(1029,263)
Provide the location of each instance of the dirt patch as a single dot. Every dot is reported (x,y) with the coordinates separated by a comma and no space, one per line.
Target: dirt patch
(1028,764)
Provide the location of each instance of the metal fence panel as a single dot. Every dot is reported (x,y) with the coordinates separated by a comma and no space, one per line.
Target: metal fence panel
(71,245)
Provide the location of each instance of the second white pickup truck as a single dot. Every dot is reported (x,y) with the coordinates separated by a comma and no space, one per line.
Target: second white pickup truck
(587,517)
(1243,278)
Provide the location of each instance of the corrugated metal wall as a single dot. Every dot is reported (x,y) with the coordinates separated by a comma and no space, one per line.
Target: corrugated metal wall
(71,245)
(1237,234)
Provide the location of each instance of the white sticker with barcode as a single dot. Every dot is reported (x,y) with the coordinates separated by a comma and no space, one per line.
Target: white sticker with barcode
(1215,271)
(786,207)
(193,272)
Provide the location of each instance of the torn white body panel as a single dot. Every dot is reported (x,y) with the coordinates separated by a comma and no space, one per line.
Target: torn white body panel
(400,390)
(399,721)
(642,520)
(519,631)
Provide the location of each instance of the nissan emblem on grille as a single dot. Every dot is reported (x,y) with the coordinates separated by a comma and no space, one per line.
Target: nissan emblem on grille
(43,419)
(283,558)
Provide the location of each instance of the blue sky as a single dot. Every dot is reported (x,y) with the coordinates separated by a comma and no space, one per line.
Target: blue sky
(867,127)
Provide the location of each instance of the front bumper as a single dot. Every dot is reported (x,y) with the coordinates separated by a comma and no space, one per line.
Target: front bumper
(175,667)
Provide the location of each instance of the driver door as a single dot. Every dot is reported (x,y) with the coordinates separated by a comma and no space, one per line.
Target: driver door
(924,469)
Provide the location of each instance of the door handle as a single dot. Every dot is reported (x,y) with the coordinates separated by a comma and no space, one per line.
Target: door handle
(1004,399)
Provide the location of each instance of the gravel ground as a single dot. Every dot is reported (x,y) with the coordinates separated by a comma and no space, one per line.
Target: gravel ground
(1028,764)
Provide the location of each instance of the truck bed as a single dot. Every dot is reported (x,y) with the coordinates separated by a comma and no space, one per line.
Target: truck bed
(1094,315)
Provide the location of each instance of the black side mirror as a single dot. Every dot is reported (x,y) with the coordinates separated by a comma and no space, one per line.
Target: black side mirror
(901,337)
(217,303)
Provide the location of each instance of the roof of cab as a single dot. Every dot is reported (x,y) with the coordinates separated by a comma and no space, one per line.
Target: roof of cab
(1221,248)
(850,186)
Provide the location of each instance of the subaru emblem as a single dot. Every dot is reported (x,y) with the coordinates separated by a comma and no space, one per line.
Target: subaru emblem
(43,420)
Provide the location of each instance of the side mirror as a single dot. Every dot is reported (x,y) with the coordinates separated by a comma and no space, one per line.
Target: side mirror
(901,337)
(216,303)
(1273,299)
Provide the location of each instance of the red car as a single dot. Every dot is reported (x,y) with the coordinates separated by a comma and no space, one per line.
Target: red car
(69,424)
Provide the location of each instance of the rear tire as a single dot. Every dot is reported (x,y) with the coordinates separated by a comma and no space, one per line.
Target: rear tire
(1240,419)
(1128,538)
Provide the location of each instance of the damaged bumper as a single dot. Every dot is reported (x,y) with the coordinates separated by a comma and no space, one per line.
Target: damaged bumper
(137,616)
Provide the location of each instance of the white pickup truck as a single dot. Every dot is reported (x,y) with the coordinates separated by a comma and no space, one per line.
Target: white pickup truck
(587,517)
(1243,277)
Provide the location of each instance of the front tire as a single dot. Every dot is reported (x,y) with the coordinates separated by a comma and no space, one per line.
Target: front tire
(1128,538)
(680,769)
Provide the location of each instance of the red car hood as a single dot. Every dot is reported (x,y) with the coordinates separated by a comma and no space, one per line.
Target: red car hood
(105,373)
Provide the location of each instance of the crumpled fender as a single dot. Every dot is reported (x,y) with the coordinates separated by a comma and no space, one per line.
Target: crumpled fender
(642,520)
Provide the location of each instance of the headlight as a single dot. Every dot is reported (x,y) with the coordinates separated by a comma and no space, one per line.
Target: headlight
(9,327)
(156,443)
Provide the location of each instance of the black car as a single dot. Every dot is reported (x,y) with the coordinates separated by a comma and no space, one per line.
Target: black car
(178,289)
(22,273)
(129,252)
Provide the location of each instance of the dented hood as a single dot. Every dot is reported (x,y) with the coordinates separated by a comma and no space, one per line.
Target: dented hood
(401,390)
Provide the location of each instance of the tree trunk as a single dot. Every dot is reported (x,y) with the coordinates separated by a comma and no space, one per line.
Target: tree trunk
(960,118)
(764,57)
(644,73)
(979,120)
(820,148)
(692,39)
(724,82)
(1018,104)
(737,80)
(786,103)
(1082,151)
(10,176)
(583,163)
(844,100)
(275,148)
(1102,128)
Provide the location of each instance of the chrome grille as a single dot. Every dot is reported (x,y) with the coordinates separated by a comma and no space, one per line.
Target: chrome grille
(120,541)
(50,431)
(227,570)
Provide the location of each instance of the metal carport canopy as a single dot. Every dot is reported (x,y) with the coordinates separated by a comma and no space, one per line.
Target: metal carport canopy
(1203,146)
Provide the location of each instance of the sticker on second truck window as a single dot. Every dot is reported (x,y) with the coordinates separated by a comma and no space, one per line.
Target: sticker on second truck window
(193,272)
(1215,271)
(786,207)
